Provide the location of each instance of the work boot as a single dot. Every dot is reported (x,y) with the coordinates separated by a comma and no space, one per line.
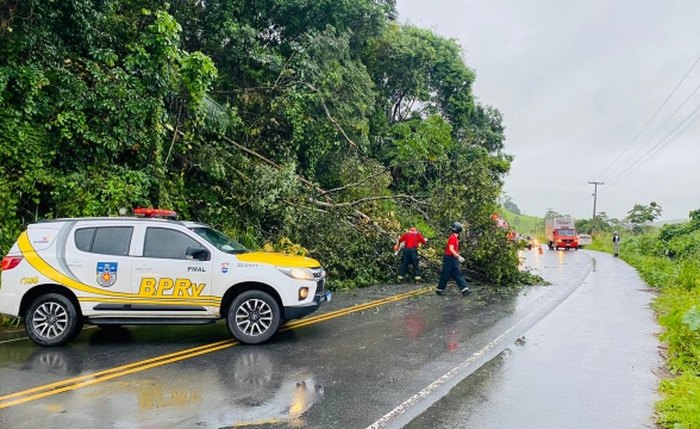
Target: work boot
(440,292)
(400,278)
(417,279)
(465,291)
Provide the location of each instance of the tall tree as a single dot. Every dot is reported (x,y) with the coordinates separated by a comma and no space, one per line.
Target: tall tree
(641,215)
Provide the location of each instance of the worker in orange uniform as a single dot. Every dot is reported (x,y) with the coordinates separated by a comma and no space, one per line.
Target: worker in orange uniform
(411,240)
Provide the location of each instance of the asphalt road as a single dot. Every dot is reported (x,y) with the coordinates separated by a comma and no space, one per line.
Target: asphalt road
(576,353)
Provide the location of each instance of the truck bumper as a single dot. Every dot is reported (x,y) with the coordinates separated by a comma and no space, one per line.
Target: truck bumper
(298,312)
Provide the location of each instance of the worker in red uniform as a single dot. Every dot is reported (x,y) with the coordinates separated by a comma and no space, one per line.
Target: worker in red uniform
(450,263)
(411,240)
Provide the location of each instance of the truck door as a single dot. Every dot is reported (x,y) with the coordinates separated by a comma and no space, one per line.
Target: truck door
(97,255)
(173,273)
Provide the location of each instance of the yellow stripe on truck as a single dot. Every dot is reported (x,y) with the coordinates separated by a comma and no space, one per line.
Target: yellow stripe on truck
(278,259)
(43,267)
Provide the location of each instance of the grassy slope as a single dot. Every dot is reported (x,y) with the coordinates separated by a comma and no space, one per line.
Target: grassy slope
(525,224)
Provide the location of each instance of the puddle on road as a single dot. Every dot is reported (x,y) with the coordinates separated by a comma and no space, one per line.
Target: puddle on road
(244,387)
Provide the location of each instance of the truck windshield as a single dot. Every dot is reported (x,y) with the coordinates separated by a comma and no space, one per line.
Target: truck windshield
(567,232)
(220,241)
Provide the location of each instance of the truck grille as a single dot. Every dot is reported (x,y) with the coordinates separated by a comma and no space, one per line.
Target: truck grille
(320,276)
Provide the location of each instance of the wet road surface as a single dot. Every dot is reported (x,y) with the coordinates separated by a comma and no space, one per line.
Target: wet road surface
(589,364)
(421,359)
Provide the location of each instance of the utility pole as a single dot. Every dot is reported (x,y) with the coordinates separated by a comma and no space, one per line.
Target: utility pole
(595,196)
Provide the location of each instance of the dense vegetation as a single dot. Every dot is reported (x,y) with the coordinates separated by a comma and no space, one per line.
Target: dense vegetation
(324,127)
(669,259)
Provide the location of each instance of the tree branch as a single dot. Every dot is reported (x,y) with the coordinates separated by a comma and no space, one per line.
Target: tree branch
(367,199)
(329,116)
(352,185)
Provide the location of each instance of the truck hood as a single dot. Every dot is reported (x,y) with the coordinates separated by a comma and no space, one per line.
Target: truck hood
(278,259)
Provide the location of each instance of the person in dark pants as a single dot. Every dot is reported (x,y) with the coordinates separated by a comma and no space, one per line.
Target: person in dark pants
(410,241)
(450,263)
(616,243)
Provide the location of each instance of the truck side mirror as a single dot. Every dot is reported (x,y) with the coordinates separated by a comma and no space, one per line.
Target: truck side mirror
(197,253)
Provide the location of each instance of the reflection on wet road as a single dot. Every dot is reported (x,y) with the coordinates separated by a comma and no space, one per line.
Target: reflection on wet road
(123,335)
(588,364)
(251,386)
(345,368)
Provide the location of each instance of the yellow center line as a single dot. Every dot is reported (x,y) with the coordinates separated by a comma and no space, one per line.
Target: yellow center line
(353,309)
(107,371)
(143,365)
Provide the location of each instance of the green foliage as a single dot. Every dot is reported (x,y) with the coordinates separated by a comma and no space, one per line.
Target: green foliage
(601,223)
(692,319)
(641,215)
(678,311)
(680,408)
(426,139)
(356,258)
(240,114)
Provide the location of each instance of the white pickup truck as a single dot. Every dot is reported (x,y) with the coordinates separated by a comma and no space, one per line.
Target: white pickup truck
(130,271)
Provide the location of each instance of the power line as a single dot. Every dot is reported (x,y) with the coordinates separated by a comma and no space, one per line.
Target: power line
(672,136)
(652,117)
(639,149)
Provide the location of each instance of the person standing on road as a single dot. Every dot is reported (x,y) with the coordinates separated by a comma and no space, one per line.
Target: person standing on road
(410,241)
(616,243)
(450,263)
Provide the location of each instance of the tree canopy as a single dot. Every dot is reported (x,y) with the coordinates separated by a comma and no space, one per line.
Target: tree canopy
(325,124)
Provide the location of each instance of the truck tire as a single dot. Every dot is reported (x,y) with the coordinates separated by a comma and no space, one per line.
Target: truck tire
(254,317)
(52,320)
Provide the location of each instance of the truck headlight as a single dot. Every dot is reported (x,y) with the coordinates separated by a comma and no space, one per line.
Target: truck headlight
(298,273)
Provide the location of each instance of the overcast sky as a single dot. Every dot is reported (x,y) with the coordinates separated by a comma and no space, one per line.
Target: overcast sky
(576,82)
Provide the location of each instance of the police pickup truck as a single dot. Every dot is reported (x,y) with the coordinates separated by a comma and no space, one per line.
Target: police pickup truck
(151,270)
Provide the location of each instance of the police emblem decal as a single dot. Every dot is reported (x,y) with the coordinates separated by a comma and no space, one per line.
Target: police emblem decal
(106,273)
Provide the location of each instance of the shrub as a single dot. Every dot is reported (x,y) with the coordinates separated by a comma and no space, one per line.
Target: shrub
(678,312)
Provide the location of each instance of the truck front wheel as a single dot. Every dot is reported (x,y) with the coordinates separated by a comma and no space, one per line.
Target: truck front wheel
(52,320)
(253,317)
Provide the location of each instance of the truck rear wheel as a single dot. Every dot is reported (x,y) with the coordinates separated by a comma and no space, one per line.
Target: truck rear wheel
(52,320)
(254,317)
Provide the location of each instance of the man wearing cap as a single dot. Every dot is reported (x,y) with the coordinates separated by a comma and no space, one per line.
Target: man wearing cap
(411,240)
(450,263)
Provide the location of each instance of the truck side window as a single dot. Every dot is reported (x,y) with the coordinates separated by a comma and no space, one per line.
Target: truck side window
(112,240)
(83,238)
(108,240)
(168,243)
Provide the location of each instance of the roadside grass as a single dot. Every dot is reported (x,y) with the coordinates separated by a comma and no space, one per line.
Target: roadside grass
(677,309)
(7,323)
(602,242)
(680,408)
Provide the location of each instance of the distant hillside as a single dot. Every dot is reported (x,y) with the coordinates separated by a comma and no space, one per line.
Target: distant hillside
(525,224)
